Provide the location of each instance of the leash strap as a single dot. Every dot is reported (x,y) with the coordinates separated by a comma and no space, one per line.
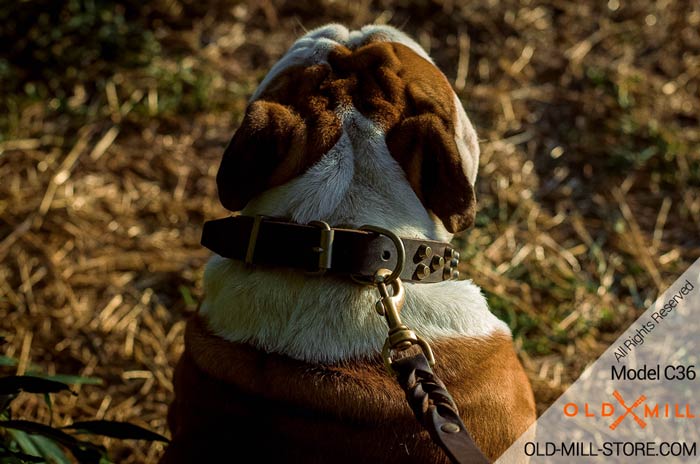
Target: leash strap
(435,409)
(427,396)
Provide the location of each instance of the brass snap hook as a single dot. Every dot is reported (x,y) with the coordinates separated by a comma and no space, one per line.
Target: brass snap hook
(400,336)
(389,306)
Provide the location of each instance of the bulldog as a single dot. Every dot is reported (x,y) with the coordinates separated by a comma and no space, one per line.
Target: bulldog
(349,128)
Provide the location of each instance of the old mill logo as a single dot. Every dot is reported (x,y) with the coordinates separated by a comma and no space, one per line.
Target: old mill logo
(640,411)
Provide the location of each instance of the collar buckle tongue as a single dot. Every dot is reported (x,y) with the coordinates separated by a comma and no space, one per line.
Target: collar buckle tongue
(324,248)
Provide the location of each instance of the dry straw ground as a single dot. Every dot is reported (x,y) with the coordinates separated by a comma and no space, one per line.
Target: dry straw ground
(113,120)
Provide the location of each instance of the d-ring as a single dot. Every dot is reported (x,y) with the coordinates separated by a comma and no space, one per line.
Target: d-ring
(400,250)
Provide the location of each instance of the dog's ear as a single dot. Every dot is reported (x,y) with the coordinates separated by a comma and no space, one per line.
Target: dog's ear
(283,133)
(435,143)
(435,169)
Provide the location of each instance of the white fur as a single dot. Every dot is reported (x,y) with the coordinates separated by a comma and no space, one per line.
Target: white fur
(314,46)
(329,319)
(465,137)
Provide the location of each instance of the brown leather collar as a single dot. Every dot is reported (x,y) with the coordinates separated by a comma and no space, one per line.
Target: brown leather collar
(318,248)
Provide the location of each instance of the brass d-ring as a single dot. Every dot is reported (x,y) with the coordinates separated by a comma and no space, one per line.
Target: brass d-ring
(400,250)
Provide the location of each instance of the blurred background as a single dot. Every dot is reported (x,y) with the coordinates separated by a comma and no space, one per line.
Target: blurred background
(114,116)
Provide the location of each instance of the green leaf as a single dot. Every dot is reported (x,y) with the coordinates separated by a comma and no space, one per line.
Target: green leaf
(7,361)
(5,401)
(10,456)
(49,403)
(14,384)
(190,302)
(23,442)
(73,379)
(85,452)
(50,450)
(115,429)
(10,460)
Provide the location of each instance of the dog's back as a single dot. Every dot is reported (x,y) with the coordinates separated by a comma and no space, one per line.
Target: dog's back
(350,128)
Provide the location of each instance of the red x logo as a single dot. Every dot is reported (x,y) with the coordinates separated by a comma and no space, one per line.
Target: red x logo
(628,410)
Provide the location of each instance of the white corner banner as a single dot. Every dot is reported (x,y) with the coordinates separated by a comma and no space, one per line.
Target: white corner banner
(639,401)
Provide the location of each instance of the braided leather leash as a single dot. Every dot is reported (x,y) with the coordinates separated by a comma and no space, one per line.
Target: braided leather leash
(436,410)
(426,394)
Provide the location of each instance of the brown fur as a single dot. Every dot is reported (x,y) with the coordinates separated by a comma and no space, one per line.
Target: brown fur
(233,400)
(293,124)
(279,139)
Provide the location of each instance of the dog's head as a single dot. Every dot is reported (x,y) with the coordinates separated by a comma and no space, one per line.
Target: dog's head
(354,127)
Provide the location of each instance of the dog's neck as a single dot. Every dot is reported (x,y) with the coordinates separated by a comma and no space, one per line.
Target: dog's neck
(327,319)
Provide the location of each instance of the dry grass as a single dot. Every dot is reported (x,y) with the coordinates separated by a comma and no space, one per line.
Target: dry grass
(589,187)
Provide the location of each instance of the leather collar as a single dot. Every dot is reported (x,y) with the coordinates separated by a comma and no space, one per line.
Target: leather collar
(318,248)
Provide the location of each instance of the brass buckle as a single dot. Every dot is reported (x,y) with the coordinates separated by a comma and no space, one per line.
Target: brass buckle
(325,247)
(253,239)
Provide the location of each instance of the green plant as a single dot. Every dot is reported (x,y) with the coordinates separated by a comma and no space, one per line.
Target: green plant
(24,441)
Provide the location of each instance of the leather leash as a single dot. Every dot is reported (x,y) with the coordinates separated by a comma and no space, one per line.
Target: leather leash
(435,409)
(428,397)
(367,255)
